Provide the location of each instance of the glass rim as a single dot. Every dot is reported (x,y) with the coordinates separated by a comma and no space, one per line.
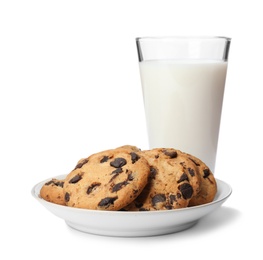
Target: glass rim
(183,38)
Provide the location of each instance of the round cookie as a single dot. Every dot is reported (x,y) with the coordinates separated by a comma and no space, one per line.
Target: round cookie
(108,180)
(52,191)
(208,183)
(173,181)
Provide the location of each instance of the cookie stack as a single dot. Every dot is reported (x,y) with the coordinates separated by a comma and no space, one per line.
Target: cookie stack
(129,179)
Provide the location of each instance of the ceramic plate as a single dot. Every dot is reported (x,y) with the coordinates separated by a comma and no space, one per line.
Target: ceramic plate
(133,224)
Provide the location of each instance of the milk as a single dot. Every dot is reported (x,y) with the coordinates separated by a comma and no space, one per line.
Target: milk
(183,103)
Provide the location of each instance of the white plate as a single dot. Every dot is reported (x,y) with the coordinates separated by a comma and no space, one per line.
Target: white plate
(133,224)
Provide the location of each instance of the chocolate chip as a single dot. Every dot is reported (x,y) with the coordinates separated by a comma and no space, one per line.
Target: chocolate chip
(134,157)
(59,184)
(186,190)
(119,186)
(130,177)
(183,177)
(49,182)
(206,173)
(153,172)
(191,171)
(117,171)
(196,163)
(104,159)
(75,179)
(92,187)
(158,198)
(106,202)
(171,154)
(135,191)
(67,197)
(172,198)
(80,164)
(118,162)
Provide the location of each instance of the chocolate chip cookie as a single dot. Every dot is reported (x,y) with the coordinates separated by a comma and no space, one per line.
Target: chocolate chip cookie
(52,191)
(108,180)
(208,188)
(172,184)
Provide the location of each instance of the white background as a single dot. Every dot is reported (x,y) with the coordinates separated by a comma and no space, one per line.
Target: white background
(70,86)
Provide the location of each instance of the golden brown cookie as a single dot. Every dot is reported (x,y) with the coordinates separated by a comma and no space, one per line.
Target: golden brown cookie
(208,183)
(52,191)
(172,184)
(108,180)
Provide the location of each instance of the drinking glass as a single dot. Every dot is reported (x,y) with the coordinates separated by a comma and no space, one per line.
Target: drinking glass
(183,82)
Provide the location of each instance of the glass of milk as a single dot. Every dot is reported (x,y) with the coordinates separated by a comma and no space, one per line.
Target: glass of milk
(183,81)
